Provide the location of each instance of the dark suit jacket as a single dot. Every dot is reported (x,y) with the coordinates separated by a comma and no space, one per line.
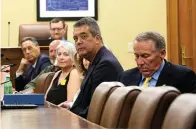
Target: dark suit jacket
(172,75)
(30,73)
(105,67)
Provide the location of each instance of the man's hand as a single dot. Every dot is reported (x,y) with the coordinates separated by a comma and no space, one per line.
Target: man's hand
(65,104)
(23,65)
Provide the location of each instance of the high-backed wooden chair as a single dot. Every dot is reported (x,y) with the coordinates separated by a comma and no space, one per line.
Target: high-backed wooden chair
(43,82)
(151,106)
(100,96)
(118,107)
(182,113)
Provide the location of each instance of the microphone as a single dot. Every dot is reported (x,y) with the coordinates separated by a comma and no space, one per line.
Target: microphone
(9,65)
(5,82)
(8,34)
(6,71)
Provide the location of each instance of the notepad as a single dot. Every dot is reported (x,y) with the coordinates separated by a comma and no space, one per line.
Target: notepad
(37,99)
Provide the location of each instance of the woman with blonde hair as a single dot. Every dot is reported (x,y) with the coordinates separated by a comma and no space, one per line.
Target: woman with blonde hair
(65,82)
(81,65)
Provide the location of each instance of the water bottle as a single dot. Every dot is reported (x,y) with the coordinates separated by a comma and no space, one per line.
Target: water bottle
(8,86)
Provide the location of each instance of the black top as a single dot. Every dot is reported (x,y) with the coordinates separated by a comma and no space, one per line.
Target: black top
(58,92)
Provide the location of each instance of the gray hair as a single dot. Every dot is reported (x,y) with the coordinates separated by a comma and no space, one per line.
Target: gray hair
(154,36)
(70,47)
(32,39)
(93,26)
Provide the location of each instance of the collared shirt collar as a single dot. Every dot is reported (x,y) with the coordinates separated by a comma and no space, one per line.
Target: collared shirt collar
(157,73)
(61,38)
(34,65)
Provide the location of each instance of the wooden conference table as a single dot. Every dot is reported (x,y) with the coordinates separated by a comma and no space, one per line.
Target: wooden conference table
(43,118)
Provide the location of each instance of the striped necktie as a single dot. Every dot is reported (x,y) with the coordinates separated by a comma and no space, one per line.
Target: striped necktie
(146,82)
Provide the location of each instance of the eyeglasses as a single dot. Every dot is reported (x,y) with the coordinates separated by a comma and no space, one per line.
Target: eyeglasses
(57,29)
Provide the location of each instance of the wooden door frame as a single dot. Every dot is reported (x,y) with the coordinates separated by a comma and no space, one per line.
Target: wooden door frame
(173,49)
(173,45)
(194,31)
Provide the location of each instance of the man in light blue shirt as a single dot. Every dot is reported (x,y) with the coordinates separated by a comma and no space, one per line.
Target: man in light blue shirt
(153,70)
(154,78)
